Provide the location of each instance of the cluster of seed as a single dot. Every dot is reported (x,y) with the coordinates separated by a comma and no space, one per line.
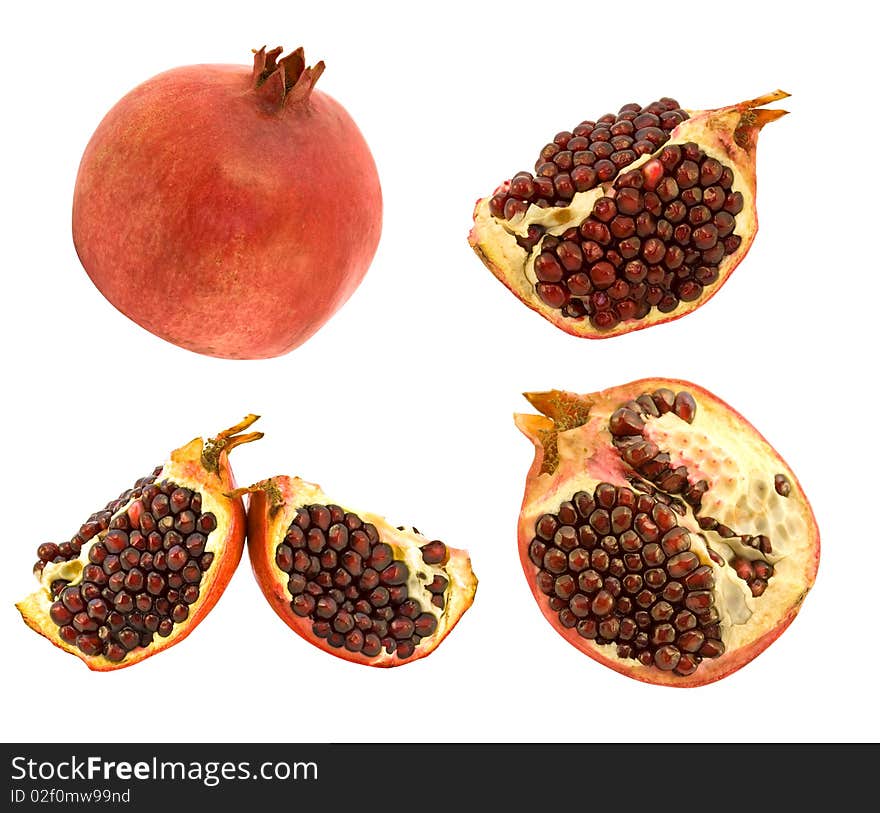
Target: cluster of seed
(657,239)
(759,542)
(143,574)
(617,567)
(97,522)
(754,572)
(590,154)
(348,583)
(627,424)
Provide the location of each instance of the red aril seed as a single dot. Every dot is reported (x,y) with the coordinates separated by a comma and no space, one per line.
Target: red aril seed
(602,275)
(553,295)
(637,571)
(548,268)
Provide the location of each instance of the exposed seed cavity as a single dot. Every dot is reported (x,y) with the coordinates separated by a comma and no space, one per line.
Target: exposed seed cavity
(144,571)
(648,461)
(94,525)
(654,241)
(355,591)
(589,154)
(612,588)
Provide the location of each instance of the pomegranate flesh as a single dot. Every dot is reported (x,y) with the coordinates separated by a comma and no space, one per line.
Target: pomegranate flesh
(660,533)
(143,572)
(631,220)
(227,209)
(349,582)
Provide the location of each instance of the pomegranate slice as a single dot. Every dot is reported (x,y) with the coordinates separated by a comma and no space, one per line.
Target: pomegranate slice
(632,220)
(143,572)
(350,583)
(660,533)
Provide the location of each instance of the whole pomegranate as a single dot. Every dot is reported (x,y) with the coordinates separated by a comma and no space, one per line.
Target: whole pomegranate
(660,533)
(140,574)
(348,581)
(228,210)
(631,220)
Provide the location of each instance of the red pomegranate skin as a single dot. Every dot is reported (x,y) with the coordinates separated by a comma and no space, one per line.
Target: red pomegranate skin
(223,221)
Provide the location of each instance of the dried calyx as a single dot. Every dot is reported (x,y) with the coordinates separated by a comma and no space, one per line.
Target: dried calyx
(349,582)
(628,221)
(660,533)
(286,80)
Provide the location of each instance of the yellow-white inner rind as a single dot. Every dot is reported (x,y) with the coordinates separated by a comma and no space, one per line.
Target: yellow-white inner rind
(742,496)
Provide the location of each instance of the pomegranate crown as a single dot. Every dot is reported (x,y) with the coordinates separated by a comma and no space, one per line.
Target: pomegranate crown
(285,81)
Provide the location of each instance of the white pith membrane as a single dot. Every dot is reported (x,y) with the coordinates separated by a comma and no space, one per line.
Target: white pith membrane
(494,239)
(405,543)
(740,468)
(184,469)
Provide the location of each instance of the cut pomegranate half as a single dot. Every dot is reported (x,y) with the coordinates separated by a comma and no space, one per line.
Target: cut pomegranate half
(632,220)
(660,533)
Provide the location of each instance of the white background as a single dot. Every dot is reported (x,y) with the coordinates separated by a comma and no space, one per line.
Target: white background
(402,404)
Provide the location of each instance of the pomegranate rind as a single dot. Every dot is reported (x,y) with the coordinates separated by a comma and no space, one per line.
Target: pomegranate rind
(269,517)
(185,467)
(728,134)
(738,463)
